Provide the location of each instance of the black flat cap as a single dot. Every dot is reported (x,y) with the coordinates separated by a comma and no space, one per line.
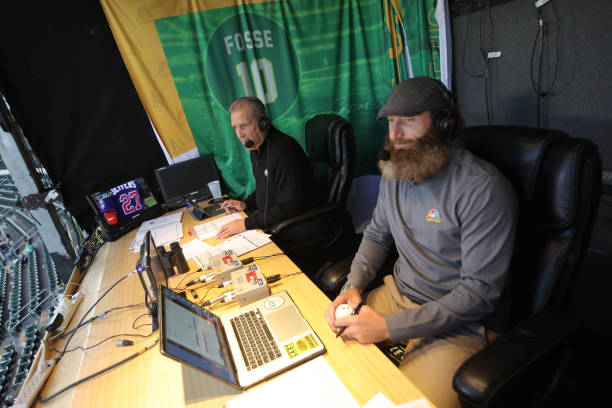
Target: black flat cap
(416,95)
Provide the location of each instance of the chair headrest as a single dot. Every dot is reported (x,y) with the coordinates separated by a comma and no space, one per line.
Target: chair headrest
(322,133)
(535,165)
(557,188)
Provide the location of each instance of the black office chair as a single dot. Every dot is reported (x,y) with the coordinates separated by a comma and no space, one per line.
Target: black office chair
(558,183)
(330,145)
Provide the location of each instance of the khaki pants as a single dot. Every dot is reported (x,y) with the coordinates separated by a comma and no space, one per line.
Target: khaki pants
(430,363)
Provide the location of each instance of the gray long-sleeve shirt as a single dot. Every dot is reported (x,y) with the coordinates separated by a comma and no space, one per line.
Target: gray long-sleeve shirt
(454,234)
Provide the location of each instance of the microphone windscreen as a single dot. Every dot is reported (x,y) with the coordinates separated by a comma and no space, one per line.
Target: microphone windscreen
(249,143)
(384,155)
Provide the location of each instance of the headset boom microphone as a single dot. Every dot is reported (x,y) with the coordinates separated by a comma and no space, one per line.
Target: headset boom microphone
(384,155)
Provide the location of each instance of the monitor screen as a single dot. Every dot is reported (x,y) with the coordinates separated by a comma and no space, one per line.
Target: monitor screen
(124,207)
(124,201)
(187,180)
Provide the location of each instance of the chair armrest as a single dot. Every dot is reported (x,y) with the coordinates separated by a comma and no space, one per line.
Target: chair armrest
(302,218)
(333,277)
(516,366)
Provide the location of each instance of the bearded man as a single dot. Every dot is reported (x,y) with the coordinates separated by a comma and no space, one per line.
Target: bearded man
(452,218)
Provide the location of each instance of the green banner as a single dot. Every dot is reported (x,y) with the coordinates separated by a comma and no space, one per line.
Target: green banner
(301,58)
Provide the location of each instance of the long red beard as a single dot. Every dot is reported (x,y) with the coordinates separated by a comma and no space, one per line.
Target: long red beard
(424,159)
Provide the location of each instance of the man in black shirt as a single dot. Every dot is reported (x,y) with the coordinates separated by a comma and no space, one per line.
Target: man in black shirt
(284,183)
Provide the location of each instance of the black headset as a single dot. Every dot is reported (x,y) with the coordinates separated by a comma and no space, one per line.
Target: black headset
(263,123)
(444,119)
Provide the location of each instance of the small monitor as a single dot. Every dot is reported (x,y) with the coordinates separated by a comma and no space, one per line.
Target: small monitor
(185,181)
(124,207)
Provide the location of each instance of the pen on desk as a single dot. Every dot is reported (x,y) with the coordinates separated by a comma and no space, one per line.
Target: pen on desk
(228,207)
(339,333)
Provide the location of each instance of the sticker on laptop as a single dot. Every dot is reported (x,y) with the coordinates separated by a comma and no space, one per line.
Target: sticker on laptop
(274,302)
(301,346)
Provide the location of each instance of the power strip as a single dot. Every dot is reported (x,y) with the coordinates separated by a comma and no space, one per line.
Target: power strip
(34,381)
(65,311)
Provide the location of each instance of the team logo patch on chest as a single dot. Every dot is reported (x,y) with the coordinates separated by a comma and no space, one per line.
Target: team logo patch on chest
(433,216)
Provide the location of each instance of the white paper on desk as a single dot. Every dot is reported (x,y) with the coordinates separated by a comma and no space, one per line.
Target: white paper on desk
(165,230)
(256,238)
(311,385)
(160,221)
(195,247)
(419,403)
(210,228)
(244,242)
(200,252)
(379,400)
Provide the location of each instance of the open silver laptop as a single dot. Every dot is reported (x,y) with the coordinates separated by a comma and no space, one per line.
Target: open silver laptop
(242,347)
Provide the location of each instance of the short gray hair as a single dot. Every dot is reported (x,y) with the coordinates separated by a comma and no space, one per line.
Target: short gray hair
(258,110)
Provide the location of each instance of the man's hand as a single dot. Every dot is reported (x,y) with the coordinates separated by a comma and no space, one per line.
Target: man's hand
(351,297)
(232,206)
(231,228)
(368,326)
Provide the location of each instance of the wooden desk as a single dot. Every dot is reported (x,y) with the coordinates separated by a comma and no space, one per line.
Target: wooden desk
(151,380)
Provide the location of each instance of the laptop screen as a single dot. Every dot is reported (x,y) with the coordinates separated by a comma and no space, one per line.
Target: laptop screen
(194,336)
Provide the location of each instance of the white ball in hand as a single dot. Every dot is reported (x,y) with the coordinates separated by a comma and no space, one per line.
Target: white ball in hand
(343,310)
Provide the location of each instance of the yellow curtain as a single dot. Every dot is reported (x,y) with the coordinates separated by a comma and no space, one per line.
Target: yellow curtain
(132,24)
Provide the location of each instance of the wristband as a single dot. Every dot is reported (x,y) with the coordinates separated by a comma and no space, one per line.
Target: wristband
(348,286)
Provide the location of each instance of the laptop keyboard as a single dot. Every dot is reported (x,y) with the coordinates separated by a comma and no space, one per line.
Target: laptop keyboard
(255,340)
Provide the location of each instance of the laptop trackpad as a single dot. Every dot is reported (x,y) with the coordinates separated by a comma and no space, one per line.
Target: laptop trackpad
(286,323)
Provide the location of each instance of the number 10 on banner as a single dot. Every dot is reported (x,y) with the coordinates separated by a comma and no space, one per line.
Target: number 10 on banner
(265,90)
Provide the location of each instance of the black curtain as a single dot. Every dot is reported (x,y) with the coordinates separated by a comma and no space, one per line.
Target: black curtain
(68,88)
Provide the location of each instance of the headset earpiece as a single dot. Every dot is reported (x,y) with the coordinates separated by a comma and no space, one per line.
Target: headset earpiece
(264,124)
(442,120)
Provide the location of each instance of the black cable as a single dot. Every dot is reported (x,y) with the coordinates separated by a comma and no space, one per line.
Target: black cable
(251,259)
(540,37)
(267,174)
(97,373)
(557,45)
(132,306)
(537,86)
(181,281)
(109,338)
(86,322)
(291,274)
(533,50)
(106,339)
(99,316)
(541,32)
(540,75)
(135,320)
(204,297)
(268,256)
(90,309)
